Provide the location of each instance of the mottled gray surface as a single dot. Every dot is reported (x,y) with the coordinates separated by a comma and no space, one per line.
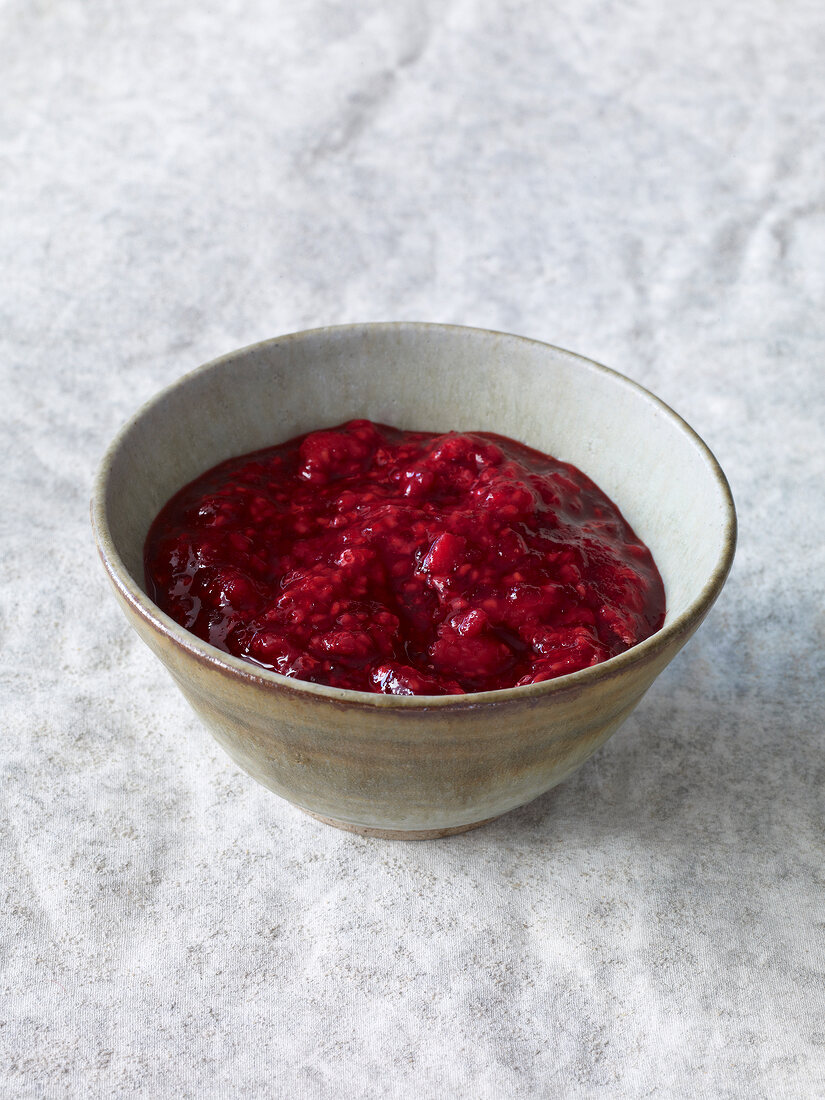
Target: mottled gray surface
(641,182)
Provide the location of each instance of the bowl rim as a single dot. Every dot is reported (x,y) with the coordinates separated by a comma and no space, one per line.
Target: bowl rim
(227,664)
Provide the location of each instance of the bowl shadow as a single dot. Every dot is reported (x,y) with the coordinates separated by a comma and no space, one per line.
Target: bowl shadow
(690,773)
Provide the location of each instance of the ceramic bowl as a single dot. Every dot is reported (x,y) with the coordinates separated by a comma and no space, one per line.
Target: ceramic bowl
(418,766)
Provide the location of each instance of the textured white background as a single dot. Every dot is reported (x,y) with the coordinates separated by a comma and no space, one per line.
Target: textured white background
(641,182)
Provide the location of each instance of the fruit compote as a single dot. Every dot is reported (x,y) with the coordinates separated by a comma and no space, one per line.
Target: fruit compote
(402,562)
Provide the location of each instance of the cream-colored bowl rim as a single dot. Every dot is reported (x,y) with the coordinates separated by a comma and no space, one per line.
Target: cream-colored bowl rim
(681,626)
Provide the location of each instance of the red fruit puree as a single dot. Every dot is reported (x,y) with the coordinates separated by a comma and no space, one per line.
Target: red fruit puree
(404,562)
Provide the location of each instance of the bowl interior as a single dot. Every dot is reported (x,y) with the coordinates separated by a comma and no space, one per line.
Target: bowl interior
(437,378)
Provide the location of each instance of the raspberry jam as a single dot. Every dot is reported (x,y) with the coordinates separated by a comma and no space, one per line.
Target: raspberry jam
(401,562)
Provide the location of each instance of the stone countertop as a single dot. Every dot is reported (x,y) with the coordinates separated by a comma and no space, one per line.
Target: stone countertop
(640,183)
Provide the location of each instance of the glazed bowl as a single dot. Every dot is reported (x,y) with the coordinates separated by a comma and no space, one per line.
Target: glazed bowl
(428,765)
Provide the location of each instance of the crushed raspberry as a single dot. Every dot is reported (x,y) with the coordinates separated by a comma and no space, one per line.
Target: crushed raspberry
(404,563)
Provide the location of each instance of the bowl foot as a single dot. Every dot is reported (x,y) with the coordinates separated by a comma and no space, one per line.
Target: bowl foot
(398,834)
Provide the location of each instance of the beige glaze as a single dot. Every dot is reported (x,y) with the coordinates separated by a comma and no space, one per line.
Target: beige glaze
(425,766)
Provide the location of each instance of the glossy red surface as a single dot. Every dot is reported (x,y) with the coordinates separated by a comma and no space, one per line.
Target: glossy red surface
(404,562)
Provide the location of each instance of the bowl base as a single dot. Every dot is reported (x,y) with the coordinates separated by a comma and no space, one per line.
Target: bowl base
(398,834)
